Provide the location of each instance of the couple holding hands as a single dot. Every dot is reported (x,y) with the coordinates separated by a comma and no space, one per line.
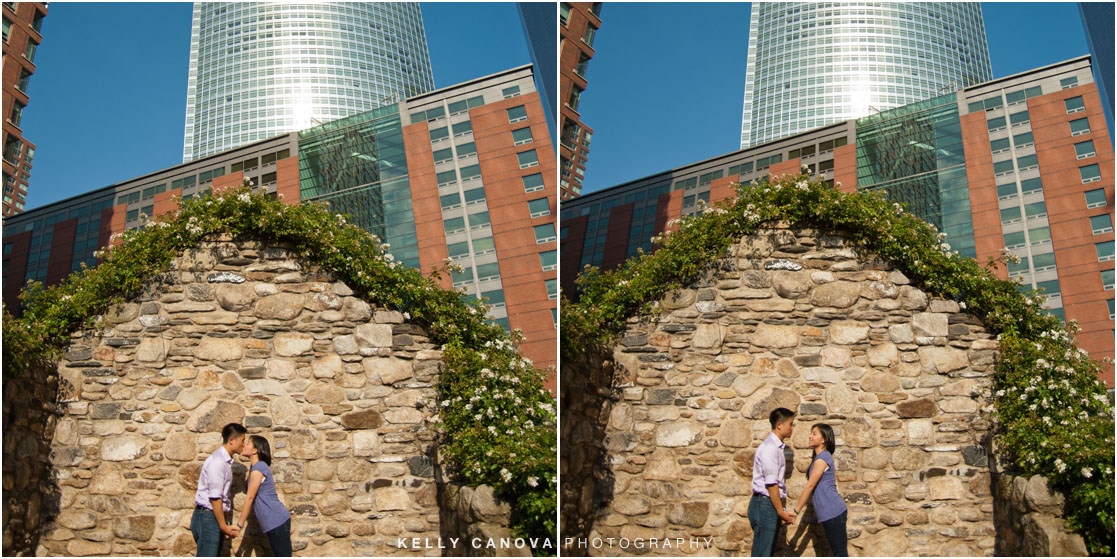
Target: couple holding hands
(212,500)
(766,508)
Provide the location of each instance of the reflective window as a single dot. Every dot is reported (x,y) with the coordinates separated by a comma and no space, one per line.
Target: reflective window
(544,233)
(1080,126)
(1085,149)
(1101,224)
(1104,250)
(1074,105)
(1090,173)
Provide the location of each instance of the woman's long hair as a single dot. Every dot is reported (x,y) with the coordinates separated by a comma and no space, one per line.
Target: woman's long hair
(827,433)
(263,449)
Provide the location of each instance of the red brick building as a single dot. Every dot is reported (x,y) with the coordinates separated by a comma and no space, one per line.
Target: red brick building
(578,25)
(23,28)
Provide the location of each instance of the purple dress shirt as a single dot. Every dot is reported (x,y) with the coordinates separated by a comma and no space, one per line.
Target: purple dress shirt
(215,480)
(768,466)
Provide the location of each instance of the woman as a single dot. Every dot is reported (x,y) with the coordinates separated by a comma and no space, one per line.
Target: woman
(272,516)
(829,508)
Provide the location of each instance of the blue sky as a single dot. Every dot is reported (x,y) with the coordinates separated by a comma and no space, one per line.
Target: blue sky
(108,98)
(667,80)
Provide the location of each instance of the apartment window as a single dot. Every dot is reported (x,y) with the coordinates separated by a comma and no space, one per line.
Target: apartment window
(467,149)
(575,96)
(1015,240)
(446,178)
(484,245)
(1023,140)
(1027,162)
(1109,303)
(1089,173)
(1079,127)
(1067,83)
(135,214)
(1031,186)
(443,155)
(530,159)
(546,233)
(149,193)
(1074,105)
(486,272)
(533,182)
(552,289)
(1006,191)
(1050,288)
(570,132)
(479,220)
(1001,168)
(1018,268)
(1105,251)
(564,13)
(1010,215)
(1015,97)
(7,28)
(521,136)
(708,178)
(1095,198)
(595,9)
(463,128)
(824,166)
(583,64)
(17,112)
(463,106)
(1020,118)
(495,298)
(997,124)
(591,32)
(458,250)
(1039,236)
(1107,279)
(1101,224)
(1082,150)
(999,146)
(1035,210)
(450,201)
(454,225)
(510,92)
(549,260)
(539,207)
(1044,262)
(471,173)
(474,196)
(688,200)
(516,114)
(461,278)
(24,80)
(29,54)
(268,179)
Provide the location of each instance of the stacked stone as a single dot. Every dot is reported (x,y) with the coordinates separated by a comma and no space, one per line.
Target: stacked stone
(29,420)
(802,320)
(244,332)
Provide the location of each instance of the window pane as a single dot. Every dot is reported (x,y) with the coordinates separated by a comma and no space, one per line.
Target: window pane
(1024,139)
(495,297)
(1015,96)
(552,288)
(1031,185)
(457,249)
(463,127)
(510,92)
(1089,173)
(1084,149)
(516,114)
(998,145)
(533,182)
(483,245)
(527,159)
(439,134)
(1013,240)
(467,149)
(1107,279)
(470,171)
(1105,250)
(1001,167)
(475,195)
(1019,118)
(996,123)
(523,135)
(1018,267)
(458,106)
(1074,104)
(539,207)
(488,271)
(993,102)
(1039,235)
(463,276)
(446,177)
(1010,214)
(1049,288)
(1080,126)
(544,233)
(478,219)
(443,155)
(1095,198)
(454,225)
(1036,209)
(548,259)
(450,201)
(1006,190)
(1101,223)
(1043,261)
(1027,162)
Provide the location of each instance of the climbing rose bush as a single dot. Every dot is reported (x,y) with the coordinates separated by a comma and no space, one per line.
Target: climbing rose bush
(485,381)
(1052,414)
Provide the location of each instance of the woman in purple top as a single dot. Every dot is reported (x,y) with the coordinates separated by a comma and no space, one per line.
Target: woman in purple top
(272,516)
(829,507)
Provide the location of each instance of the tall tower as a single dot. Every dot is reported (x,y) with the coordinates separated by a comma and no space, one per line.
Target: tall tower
(816,63)
(23,31)
(258,70)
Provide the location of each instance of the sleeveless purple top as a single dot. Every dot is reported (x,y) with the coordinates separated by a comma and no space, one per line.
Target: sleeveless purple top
(270,513)
(826,500)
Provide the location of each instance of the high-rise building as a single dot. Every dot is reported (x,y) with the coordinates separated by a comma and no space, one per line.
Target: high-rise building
(1097,19)
(260,69)
(578,25)
(23,32)
(538,19)
(465,173)
(1022,163)
(812,64)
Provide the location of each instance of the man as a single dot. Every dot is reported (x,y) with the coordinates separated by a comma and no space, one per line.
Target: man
(212,500)
(766,510)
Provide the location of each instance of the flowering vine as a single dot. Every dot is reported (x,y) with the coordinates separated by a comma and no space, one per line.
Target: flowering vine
(496,419)
(1052,414)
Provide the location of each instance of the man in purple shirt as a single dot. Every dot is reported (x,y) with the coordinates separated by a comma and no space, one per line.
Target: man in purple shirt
(212,500)
(766,510)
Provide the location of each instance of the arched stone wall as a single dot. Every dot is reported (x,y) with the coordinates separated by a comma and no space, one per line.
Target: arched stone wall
(245,332)
(671,420)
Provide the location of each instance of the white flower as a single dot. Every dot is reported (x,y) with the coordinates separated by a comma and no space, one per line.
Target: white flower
(534,481)
(1059,465)
(505,474)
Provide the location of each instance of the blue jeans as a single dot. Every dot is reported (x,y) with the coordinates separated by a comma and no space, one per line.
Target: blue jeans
(765,523)
(207,533)
(280,539)
(836,533)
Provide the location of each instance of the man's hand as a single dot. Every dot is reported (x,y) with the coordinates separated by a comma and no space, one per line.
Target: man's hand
(788,517)
(231,531)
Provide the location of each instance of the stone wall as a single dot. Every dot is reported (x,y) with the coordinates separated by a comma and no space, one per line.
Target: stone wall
(1029,519)
(245,332)
(803,320)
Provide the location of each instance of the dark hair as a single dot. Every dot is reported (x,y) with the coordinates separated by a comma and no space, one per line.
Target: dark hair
(231,430)
(827,433)
(263,449)
(779,415)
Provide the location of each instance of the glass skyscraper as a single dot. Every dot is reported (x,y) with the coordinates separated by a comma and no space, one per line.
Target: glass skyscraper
(816,63)
(258,70)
